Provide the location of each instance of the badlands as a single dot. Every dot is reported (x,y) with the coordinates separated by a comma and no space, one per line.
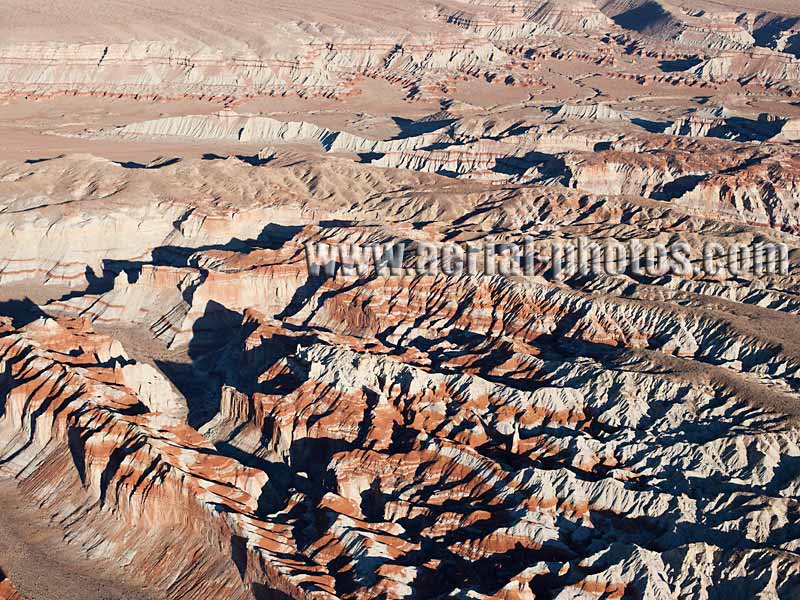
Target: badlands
(187,411)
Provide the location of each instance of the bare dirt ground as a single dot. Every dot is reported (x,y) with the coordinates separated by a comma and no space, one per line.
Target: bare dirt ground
(42,567)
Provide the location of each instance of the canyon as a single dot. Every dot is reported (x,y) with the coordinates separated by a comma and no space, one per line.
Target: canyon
(189,411)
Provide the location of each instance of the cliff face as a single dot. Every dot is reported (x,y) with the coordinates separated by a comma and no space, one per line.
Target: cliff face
(148,487)
(242,52)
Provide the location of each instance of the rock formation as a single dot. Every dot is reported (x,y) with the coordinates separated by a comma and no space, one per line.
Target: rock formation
(7,590)
(195,396)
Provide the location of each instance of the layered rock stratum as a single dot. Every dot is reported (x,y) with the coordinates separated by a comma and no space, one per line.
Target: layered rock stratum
(194,412)
(7,590)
